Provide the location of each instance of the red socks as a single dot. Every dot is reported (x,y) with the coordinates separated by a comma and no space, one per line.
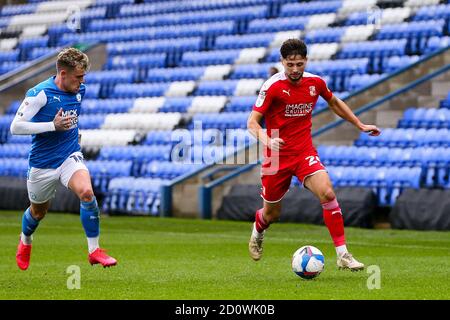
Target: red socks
(260,224)
(332,216)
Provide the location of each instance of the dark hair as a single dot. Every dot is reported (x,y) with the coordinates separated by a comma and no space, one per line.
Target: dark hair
(293,47)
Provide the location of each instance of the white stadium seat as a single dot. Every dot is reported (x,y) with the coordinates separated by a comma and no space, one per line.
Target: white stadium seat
(207,104)
(395,15)
(100,138)
(147,105)
(218,72)
(358,33)
(320,21)
(282,36)
(142,121)
(33,31)
(49,6)
(8,44)
(248,87)
(322,51)
(420,3)
(350,6)
(250,55)
(180,88)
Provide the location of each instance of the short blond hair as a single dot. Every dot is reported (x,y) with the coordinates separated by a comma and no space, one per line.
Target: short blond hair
(70,58)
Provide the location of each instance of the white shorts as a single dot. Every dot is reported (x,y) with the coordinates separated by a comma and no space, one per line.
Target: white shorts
(41,183)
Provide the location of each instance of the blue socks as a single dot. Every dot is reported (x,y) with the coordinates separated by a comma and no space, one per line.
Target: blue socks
(29,224)
(89,215)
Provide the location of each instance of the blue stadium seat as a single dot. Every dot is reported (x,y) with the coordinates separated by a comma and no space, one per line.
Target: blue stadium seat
(446,102)
(154,46)
(158,138)
(244,41)
(14,167)
(13,107)
(103,171)
(175,74)
(92,91)
(93,121)
(40,52)
(425,118)
(167,170)
(14,150)
(240,104)
(427,13)
(104,106)
(395,62)
(250,71)
(216,88)
(221,121)
(357,18)
(383,48)
(13,10)
(110,77)
(186,7)
(180,104)
(138,155)
(139,90)
(358,81)
(5,124)
(16,139)
(309,8)
(277,24)
(9,56)
(209,58)
(412,29)
(145,61)
(123,23)
(133,195)
(326,35)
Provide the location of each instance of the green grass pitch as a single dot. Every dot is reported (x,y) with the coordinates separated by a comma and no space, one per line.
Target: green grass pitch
(169,259)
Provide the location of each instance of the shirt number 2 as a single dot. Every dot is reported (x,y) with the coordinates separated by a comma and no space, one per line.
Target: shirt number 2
(312,160)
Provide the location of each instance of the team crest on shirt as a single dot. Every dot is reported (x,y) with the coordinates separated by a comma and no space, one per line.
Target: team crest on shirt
(261,97)
(78,97)
(312,91)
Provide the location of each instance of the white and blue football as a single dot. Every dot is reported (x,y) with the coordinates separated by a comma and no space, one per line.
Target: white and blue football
(308,262)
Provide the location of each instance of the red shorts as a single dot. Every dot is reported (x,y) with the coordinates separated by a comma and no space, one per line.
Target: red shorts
(276,175)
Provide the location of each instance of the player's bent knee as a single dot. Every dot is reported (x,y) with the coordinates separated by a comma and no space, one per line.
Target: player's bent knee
(86,195)
(38,213)
(328,195)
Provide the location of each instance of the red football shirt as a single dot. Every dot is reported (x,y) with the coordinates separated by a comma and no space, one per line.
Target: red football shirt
(288,108)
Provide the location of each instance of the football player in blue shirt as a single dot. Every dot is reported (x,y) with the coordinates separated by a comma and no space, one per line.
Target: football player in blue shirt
(50,113)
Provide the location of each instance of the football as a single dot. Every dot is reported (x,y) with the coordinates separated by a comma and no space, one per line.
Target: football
(308,262)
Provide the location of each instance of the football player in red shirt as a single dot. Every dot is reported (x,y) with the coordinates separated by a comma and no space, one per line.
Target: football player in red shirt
(286,101)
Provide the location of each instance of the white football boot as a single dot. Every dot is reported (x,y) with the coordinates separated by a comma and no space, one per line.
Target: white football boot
(346,261)
(255,245)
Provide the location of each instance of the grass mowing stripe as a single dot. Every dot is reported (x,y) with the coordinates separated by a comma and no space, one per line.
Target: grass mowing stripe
(195,259)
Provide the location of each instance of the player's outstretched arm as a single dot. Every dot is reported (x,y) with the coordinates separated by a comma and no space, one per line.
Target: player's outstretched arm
(342,110)
(254,127)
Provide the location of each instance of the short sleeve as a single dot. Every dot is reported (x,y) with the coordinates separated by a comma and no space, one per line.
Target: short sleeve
(325,92)
(264,99)
(33,92)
